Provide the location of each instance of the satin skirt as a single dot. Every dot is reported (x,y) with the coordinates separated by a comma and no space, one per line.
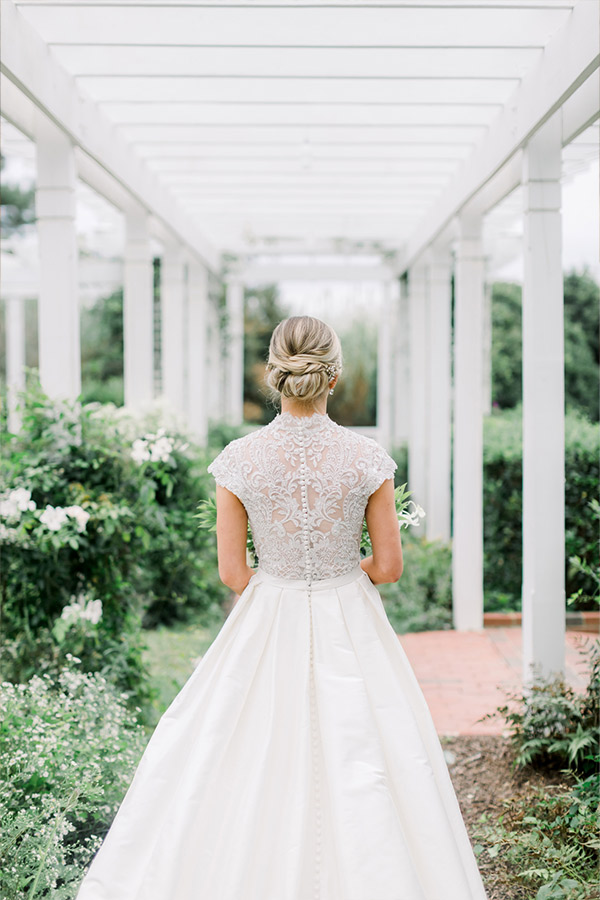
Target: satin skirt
(298,762)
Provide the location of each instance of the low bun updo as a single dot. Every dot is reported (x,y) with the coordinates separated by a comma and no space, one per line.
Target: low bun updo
(305,355)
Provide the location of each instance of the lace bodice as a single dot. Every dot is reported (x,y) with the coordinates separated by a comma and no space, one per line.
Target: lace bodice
(305,483)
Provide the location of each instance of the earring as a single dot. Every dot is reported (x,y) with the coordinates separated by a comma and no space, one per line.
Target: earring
(330,391)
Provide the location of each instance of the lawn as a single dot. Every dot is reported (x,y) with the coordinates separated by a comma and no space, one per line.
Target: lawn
(171,654)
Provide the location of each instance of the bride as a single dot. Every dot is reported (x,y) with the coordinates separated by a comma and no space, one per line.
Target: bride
(300,760)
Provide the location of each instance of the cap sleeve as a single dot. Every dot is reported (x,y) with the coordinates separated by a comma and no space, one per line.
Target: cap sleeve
(381,467)
(226,469)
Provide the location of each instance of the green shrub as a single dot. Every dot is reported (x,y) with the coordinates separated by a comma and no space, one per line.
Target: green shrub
(551,724)
(68,750)
(503,505)
(551,837)
(98,507)
(422,599)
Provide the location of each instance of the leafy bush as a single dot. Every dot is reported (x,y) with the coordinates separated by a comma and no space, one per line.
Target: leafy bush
(422,599)
(68,750)
(550,724)
(93,511)
(102,350)
(551,840)
(552,836)
(503,506)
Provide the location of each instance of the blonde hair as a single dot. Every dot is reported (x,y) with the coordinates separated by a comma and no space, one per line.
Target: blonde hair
(305,355)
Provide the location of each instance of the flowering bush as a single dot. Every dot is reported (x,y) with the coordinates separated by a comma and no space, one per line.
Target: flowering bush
(98,534)
(156,448)
(68,751)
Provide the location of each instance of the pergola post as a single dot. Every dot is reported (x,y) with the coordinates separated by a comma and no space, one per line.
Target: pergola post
(235,352)
(15,358)
(58,303)
(439,406)
(419,389)
(197,398)
(543,407)
(138,312)
(487,348)
(216,410)
(385,361)
(173,329)
(401,368)
(467,541)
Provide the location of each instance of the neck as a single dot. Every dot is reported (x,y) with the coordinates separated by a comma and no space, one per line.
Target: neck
(296,408)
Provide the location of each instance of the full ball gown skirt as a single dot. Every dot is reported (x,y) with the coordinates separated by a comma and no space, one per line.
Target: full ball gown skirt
(299,762)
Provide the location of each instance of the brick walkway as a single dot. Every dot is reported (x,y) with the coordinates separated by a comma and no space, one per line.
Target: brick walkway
(462,673)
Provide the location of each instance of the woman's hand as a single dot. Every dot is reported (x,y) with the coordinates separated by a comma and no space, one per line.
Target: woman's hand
(232,528)
(386,564)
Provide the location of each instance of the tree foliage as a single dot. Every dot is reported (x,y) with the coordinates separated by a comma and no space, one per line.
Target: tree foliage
(581,296)
(102,350)
(17,206)
(263,311)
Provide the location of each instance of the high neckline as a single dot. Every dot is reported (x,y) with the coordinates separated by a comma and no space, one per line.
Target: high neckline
(314,420)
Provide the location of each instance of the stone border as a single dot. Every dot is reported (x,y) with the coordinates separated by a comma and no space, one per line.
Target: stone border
(575,621)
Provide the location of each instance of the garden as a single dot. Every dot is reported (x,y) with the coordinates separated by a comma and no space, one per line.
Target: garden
(109,595)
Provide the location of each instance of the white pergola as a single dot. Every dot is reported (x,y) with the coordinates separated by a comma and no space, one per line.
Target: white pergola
(306,131)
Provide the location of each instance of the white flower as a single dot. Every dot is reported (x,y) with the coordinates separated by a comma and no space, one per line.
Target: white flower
(411,517)
(80,609)
(139,451)
(53,517)
(13,503)
(160,450)
(79,514)
(153,448)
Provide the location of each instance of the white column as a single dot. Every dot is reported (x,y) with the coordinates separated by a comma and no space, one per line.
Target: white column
(401,368)
(487,348)
(439,406)
(138,312)
(216,410)
(15,358)
(385,361)
(419,390)
(235,352)
(173,339)
(197,337)
(58,302)
(543,407)
(467,542)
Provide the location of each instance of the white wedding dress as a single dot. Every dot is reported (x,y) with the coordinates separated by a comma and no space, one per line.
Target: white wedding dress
(300,760)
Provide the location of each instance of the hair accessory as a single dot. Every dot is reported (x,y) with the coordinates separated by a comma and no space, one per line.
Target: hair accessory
(331,370)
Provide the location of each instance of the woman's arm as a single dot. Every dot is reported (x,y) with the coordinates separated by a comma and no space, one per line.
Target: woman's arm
(385,565)
(232,526)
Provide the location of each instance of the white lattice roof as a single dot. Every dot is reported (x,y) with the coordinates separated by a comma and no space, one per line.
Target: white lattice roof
(289,124)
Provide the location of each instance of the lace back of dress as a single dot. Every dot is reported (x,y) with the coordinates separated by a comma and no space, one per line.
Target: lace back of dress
(305,483)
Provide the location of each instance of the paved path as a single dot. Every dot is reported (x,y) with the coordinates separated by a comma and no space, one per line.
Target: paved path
(462,673)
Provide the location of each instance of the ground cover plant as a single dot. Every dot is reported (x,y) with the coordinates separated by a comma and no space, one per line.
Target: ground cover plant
(68,750)
(547,840)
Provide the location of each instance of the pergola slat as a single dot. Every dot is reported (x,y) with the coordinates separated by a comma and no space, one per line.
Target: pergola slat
(374,25)
(275,62)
